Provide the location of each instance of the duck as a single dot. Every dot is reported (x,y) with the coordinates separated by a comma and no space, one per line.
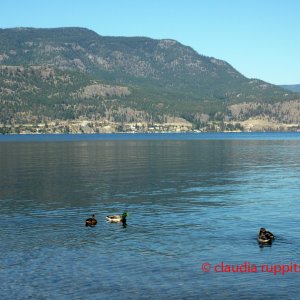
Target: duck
(91,221)
(117,218)
(265,237)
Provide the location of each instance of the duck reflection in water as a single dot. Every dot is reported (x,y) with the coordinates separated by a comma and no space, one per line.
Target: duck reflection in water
(124,222)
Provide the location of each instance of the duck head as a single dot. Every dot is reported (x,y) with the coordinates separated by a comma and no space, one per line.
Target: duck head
(262,230)
(123,220)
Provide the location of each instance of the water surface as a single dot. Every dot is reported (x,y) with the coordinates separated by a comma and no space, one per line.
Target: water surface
(191,199)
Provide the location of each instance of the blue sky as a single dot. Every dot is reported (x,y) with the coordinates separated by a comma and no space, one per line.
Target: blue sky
(260,38)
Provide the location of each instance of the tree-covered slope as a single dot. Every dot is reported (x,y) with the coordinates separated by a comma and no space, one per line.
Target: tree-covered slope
(153,77)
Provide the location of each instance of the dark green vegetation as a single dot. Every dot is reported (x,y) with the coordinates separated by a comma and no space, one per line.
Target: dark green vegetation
(73,73)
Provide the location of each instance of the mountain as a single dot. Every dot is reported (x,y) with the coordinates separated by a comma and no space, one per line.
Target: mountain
(292,87)
(76,74)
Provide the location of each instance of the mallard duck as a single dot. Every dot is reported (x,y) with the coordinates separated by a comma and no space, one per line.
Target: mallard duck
(91,221)
(117,218)
(265,237)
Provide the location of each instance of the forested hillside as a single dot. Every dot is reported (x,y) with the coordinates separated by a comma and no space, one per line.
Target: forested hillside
(76,74)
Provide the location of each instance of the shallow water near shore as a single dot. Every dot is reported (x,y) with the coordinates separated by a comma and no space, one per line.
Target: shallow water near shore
(193,202)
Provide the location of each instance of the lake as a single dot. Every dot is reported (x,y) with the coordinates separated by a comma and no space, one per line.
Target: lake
(195,204)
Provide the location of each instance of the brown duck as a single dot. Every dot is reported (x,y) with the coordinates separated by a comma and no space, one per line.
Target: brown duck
(91,221)
(265,237)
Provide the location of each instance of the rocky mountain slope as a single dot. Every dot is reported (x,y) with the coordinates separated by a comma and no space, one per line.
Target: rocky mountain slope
(76,74)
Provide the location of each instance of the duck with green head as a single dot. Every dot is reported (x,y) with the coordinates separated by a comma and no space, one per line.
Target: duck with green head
(117,218)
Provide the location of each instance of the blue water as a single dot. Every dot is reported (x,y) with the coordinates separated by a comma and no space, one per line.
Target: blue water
(154,136)
(191,199)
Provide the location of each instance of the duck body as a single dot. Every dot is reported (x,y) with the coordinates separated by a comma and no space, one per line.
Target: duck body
(265,237)
(91,221)
(117,218)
